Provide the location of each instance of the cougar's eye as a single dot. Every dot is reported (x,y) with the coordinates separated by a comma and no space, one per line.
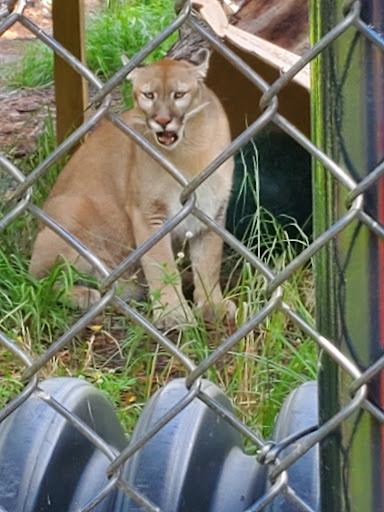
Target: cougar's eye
(179,94)
(148,94)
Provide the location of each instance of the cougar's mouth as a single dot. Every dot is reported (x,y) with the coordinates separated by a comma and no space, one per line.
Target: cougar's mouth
(167,138)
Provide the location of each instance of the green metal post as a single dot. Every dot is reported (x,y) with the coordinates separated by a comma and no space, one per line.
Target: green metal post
(348,124)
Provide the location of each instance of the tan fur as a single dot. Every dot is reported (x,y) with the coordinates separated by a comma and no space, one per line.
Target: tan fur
(113,196)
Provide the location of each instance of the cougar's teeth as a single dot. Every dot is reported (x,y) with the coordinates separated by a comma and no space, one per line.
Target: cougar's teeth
(166,138)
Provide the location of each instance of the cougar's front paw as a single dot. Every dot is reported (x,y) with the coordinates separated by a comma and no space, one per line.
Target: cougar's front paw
(213,312)
(83,297)
(230,309)
(173,316)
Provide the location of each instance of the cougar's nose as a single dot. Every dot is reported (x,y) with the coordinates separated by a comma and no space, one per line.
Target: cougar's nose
(163,121)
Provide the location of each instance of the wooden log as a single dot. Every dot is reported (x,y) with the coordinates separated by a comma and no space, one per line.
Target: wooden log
(70,88)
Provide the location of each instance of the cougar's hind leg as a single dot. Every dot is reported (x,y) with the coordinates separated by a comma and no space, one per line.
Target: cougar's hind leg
(49,248)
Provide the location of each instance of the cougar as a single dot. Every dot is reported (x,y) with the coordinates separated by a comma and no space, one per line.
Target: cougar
(113,196)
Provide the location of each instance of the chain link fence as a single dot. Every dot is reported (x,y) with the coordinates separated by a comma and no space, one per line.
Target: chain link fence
(273,455)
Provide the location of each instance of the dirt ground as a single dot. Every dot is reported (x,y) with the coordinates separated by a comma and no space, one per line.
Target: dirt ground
(23,111)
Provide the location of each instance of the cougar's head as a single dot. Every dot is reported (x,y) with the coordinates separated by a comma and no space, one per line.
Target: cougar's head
(167,93)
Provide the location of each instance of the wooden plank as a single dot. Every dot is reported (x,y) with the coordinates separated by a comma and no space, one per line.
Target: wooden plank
(278,57)
(239,96)
(70,88)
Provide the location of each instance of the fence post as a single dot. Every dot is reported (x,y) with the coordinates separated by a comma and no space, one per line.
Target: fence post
(70,88)
(348,124)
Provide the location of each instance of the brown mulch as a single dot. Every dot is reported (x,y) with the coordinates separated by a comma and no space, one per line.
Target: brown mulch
(22,116)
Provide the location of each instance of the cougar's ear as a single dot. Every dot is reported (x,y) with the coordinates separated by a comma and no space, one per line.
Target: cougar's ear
(125,60)
(202,68)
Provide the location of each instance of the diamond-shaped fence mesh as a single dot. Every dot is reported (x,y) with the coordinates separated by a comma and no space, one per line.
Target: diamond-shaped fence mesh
(350,369)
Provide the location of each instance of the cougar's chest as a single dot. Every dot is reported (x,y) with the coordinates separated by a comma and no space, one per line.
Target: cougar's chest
(207,200)
(160,188)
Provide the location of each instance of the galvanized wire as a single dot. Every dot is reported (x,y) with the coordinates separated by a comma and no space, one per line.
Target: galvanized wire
(270,454)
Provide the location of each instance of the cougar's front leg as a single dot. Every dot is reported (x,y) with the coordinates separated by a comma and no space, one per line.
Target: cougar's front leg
(206,256)
(161,273)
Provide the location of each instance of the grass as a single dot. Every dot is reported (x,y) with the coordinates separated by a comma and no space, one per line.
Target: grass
(276,357)
(126,28)
(118,356)
(33,70)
